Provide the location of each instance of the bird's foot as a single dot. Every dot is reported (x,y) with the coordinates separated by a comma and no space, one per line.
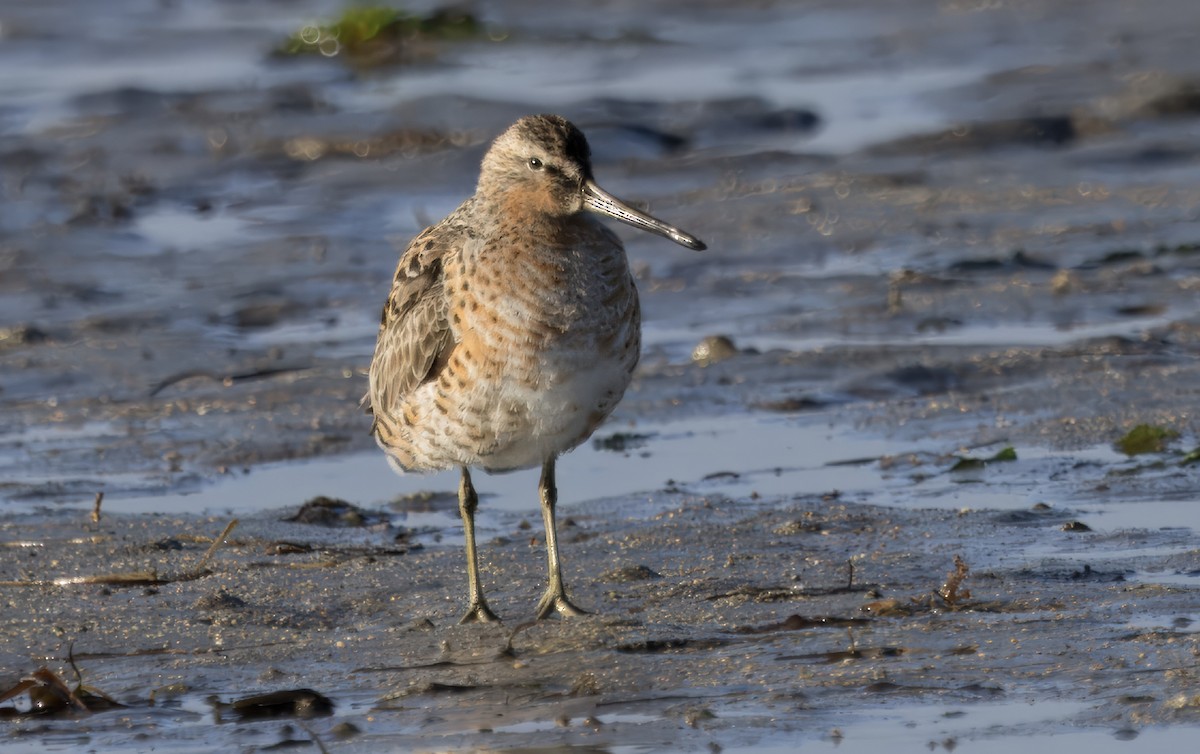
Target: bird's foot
(555,601)
(479,612)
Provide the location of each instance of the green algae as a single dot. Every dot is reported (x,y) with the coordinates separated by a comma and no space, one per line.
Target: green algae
(379,34)
(967,463)
(1145,438)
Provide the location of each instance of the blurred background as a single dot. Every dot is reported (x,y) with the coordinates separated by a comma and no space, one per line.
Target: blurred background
(934,224)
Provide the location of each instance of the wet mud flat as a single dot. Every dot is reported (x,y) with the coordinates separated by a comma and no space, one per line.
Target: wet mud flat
(717,623)
(937,232)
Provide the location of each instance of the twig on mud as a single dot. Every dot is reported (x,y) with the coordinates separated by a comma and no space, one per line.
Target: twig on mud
(71,662)
(315,739)
(220,540)
(134,578)
(122,578)
(91,696)
(224,379)
(508,650)
(96,507)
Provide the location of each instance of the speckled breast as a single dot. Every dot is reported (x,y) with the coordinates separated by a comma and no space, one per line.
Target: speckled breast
(546,342)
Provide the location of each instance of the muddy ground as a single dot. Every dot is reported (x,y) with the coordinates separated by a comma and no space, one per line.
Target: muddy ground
(939,229)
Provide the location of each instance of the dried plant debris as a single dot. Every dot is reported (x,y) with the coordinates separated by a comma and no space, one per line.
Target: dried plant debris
(146,577)
(124,578)
(46,694)
(216,544)
(1146,438)
(967,463)
(951,595)
(952,592)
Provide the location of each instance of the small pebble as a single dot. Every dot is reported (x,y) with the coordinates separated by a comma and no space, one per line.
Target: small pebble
(712,349)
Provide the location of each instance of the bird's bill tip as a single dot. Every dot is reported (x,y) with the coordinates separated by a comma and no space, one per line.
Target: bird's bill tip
(693,243)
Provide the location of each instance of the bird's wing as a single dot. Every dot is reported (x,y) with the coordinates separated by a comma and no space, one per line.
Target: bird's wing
(414,334)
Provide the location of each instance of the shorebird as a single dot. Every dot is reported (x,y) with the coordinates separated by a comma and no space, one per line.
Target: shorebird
(512,329)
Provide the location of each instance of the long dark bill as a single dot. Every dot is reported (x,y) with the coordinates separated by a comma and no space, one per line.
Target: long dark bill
(600,201)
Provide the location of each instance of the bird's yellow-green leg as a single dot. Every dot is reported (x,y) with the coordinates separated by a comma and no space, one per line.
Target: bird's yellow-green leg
(468,501)
(555,599)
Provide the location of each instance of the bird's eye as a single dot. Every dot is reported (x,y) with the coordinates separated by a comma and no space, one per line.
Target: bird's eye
(535,163)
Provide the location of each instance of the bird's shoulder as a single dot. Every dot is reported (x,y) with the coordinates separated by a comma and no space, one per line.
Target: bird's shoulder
(421,267)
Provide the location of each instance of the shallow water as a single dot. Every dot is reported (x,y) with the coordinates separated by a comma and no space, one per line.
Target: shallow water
(772,455)
(980,731)
(741,456)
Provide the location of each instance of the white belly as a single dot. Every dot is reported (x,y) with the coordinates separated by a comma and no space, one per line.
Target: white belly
(570,398)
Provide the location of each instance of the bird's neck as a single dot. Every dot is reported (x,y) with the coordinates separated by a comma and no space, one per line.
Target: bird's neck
(532,210)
